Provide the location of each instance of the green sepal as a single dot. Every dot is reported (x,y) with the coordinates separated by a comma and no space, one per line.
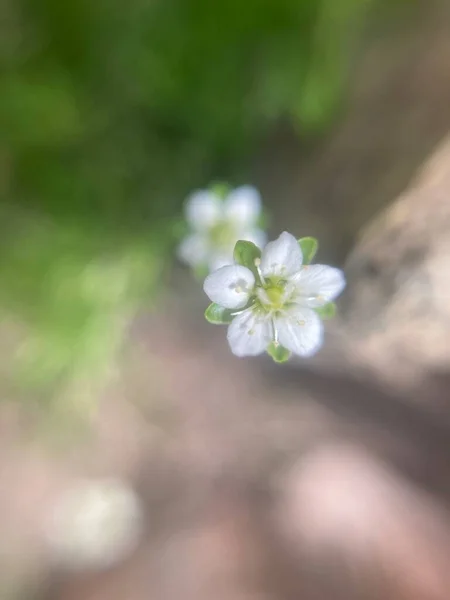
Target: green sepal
(278,353)
(220,189)
(263,220)
(200,271)
(309,247)
(217,315)
(328,311)
(245,253)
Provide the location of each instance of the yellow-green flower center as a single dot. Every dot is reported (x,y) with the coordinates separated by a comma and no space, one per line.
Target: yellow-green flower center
(276,296)
(272,295)
(222,235)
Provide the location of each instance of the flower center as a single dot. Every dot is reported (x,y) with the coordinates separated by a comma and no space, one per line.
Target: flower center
(272,295)
(222,235)
(275,295)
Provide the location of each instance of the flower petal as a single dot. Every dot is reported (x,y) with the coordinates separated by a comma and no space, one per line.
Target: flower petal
(282,257)
(243,206)
(249,333)
(230,286)
(203,210)
(193,250)
(300,330)
(257,236)
(318,284)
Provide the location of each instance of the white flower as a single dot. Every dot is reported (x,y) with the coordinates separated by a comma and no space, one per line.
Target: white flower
(276,302)
(94,524)
(216,225)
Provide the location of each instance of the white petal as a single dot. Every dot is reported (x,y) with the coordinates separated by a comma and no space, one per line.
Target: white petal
(219,260)
(249,334)
(193,250)
(257,236)
(318,284)
(203,210)
(243,205)
(282,257)
(300,330)
(230,286)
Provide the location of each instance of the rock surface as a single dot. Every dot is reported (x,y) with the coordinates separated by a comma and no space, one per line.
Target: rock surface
(396,311)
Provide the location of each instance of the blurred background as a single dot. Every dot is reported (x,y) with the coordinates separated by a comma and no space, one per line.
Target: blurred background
(324,479)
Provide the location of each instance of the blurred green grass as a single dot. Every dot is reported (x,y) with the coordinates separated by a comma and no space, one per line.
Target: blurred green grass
(110,112)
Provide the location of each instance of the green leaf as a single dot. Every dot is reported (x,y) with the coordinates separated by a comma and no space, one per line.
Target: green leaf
(279,353)
(245,253)
(217,315)
(328,311)
(309,247)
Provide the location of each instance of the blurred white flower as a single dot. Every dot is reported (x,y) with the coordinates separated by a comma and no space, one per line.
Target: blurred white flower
(276,301)
(94,525)
(216,225)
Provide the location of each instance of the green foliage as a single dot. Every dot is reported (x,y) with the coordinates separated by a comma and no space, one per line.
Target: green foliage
(72,294)
(41,112)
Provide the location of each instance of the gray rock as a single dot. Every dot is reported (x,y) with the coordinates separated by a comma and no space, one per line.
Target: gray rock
(396,310)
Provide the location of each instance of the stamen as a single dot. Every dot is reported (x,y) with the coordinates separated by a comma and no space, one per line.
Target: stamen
(263,296)
(257,265)
(275,334)
(238,312)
